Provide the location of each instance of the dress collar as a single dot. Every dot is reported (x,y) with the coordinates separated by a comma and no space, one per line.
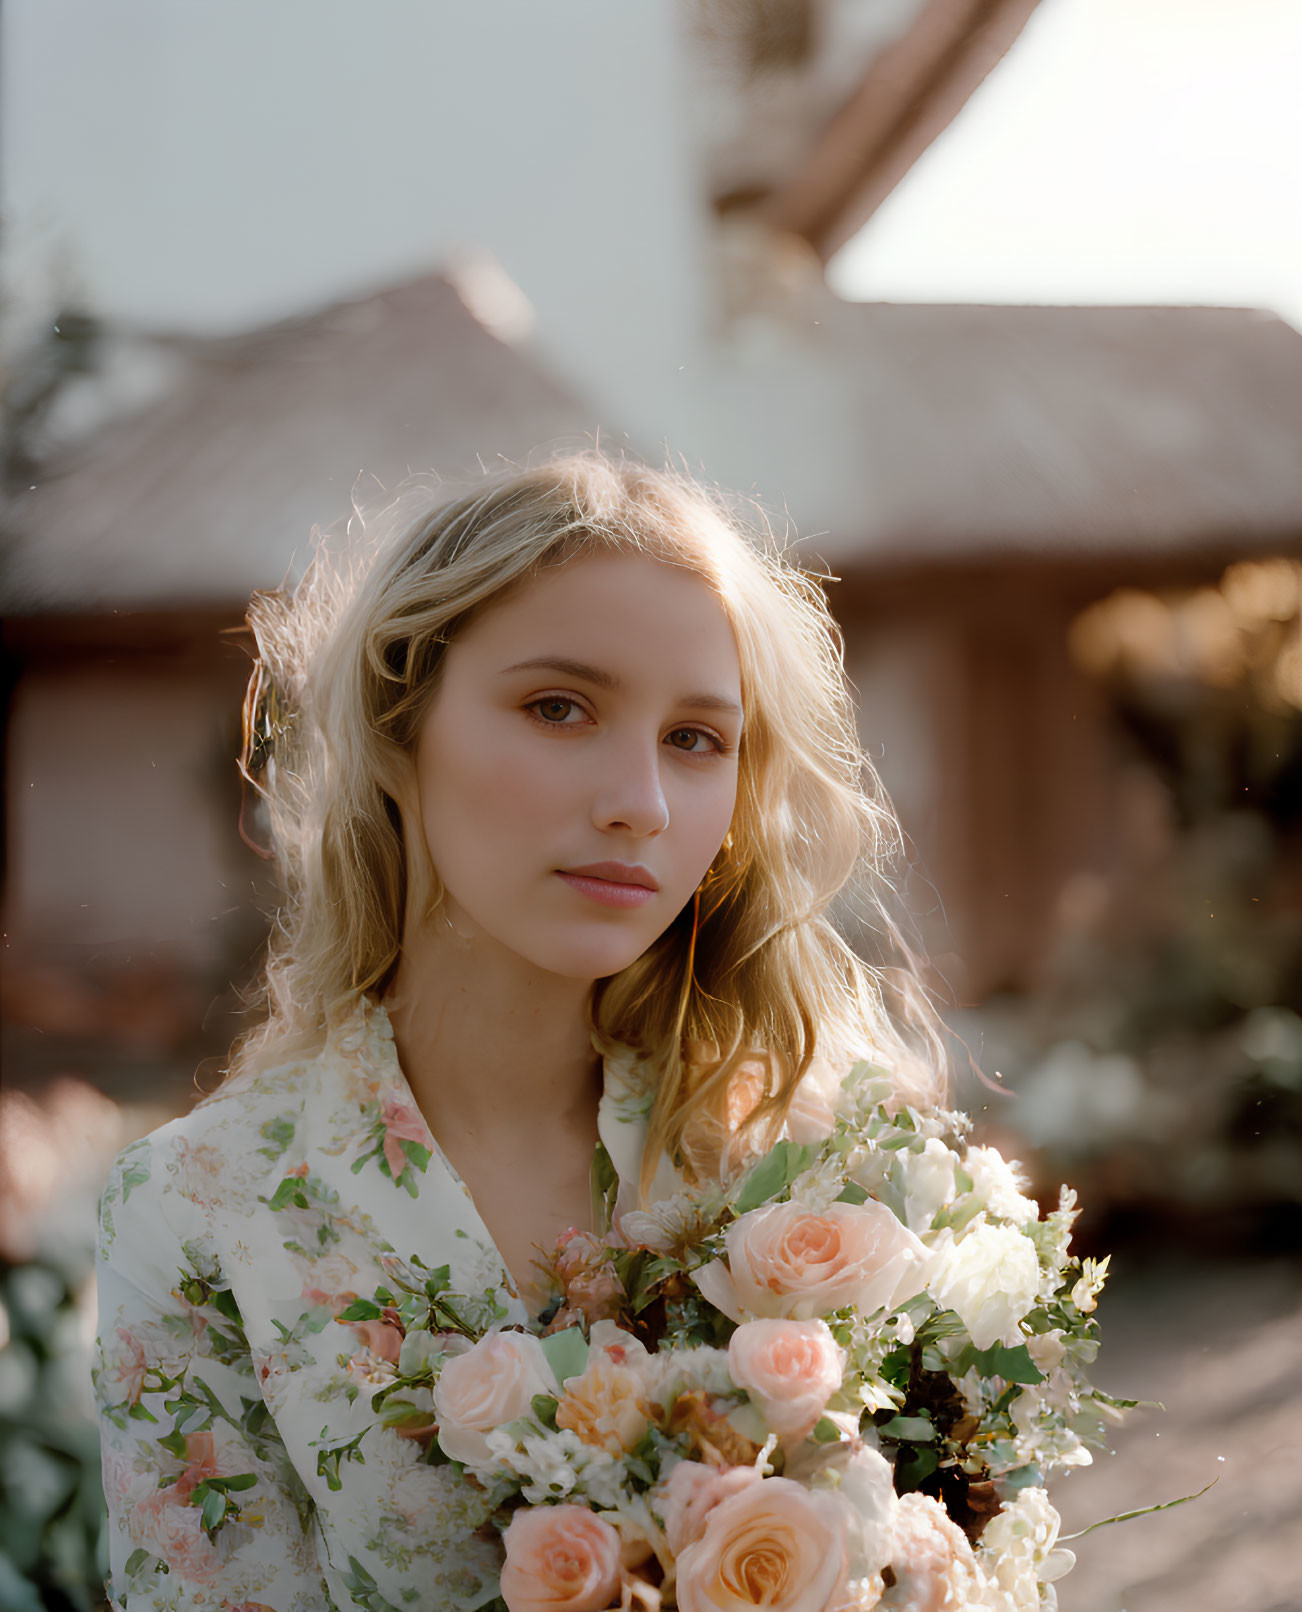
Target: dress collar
(623,1111)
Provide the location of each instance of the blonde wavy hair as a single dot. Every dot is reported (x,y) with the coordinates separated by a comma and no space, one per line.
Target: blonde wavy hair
(755,974)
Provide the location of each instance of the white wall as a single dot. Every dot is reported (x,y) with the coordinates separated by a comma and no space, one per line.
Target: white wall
(216,164)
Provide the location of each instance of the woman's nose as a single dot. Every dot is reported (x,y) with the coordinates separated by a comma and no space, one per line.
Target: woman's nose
(631,794)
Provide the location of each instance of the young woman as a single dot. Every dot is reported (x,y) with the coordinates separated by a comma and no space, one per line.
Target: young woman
(562,779)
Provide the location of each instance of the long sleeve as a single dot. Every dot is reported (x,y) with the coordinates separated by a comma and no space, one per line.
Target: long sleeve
(205,1507)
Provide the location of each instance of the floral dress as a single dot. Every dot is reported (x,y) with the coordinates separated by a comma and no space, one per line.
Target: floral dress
(245,1465)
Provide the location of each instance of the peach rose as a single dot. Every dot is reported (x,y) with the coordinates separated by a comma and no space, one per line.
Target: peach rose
(131,1367)
(687,1496)
(402,1123)
(607,1405)
(773,1545)
(560,1559)
(787,1260)
(200,1463)
(590,1282)
(173,1531)
(789,1368)
(382,1339)
(492,1383)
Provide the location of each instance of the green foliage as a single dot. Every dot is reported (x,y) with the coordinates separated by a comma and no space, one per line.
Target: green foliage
(328,1461)
(212,1496)
(567,1352)
(1013,1365)
(544,1408)
(364,1590)
(278,1134)
(53,1522)
(770,1178)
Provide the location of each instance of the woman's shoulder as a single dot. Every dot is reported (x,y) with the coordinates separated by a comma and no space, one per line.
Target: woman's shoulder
(214,1157)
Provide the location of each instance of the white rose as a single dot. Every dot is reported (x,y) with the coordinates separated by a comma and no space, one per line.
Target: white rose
(868,1489)
(928,1182)
(1020,1550)
(1047,1351)
(490,1384)
(998,1185)
(990,1278)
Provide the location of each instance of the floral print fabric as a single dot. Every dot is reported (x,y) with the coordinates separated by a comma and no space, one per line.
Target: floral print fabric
(245,1468)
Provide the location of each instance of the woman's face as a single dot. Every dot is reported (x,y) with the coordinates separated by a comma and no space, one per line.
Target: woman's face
(588,721)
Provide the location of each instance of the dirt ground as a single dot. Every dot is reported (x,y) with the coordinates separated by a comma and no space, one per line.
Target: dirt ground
(1221,1347)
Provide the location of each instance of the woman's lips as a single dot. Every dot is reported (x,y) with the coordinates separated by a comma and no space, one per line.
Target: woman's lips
(607,891)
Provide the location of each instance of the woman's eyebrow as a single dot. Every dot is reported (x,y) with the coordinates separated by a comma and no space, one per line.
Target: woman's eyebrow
(608,680)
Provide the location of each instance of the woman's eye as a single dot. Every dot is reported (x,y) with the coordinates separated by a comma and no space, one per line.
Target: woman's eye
(555,711)
(552,708)
(691,735)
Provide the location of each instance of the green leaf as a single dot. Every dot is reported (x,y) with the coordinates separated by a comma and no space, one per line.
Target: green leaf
(774,1173)
(852,1192)
(140,1414)
(214,1509)
(327,1461)
(438,1280)
(289,1191)
(825,1431)
(959,1214)
(913,1467)
(279,1133)
(174,1444)
(135,1175)
(361,1577)
(649,1274)
(909,1429)
(1013,1365)
(224,1300)
(240,1480)
(567,1352)
(544,1408)
(360,1310)
(417,1152)
(136,1561)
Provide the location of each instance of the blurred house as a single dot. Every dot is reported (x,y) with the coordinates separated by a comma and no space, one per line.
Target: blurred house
(974,477)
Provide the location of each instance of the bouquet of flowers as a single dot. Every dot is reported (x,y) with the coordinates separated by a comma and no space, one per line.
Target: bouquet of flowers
(838,1383)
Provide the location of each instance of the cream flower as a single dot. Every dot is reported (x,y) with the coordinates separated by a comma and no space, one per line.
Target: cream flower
(490,1384)
(606,1405)
(931,1560)
(999,1186)
(928,1182)
(1020,1550)
(990,1278)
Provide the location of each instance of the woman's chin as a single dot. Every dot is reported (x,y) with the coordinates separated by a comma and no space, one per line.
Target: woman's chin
(589,958)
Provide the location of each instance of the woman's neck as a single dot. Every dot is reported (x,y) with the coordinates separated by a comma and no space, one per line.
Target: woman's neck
(493,1048)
